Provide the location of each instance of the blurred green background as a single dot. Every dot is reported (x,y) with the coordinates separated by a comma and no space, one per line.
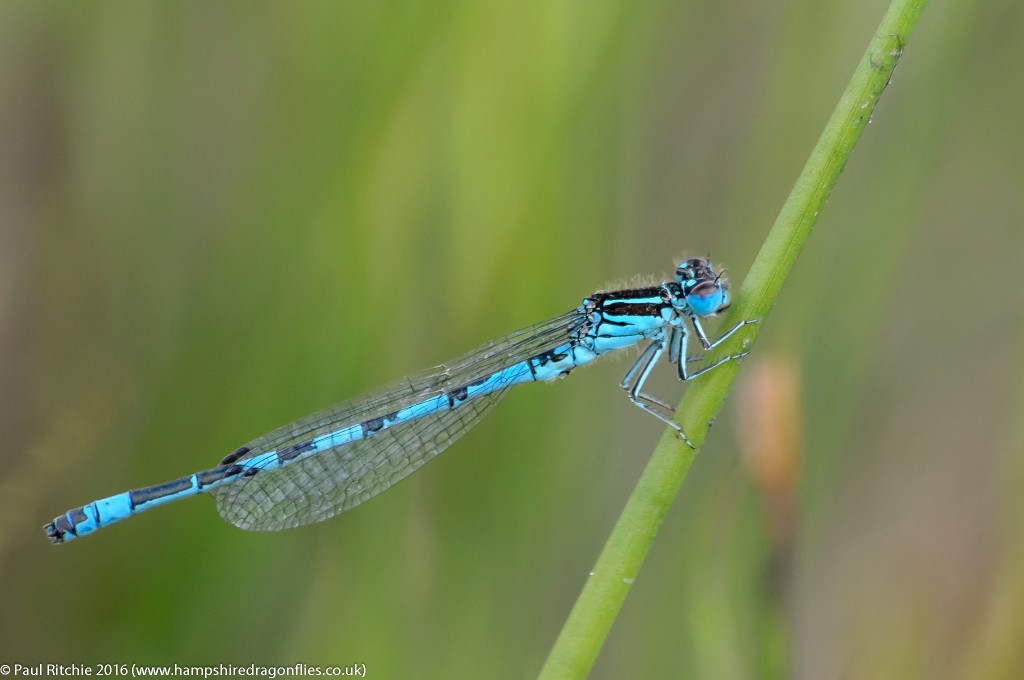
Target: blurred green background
(219,217)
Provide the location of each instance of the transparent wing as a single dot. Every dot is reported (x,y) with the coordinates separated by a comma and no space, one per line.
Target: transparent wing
(336,479)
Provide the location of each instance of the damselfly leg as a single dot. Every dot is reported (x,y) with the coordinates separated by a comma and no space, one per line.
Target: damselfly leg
(638,373)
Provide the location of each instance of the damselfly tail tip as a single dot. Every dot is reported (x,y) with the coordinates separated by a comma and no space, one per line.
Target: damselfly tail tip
(59,530)
(55,536)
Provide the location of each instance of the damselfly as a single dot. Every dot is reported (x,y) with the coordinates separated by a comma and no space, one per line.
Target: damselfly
(333,460)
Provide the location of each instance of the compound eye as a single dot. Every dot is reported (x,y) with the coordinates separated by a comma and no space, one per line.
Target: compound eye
(707,297)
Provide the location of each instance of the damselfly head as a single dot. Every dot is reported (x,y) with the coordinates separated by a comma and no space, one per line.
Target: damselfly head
(704,289)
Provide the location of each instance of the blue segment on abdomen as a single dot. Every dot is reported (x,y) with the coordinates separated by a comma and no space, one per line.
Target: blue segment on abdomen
(262,461)
(113,508)
(337,438)
(424,408)
(90,523)
(561,360)
(513,375)
(187,486)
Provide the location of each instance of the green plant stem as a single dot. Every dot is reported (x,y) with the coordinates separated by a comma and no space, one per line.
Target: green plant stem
(588,624)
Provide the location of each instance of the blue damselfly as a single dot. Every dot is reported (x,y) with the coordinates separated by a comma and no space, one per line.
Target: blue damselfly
(333,460)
